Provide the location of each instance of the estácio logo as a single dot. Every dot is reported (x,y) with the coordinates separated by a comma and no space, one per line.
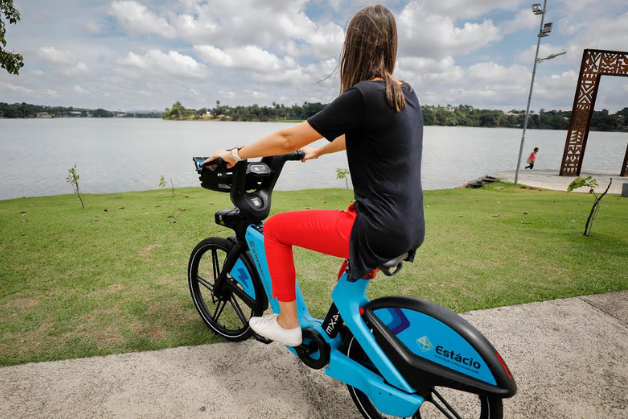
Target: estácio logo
(424,344)
(458,358)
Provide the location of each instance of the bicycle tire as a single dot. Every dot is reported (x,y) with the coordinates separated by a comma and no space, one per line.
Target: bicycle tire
(468,405)
(229,316)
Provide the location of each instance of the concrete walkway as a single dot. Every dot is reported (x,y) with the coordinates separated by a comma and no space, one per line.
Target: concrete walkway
(550,179)
(569,357)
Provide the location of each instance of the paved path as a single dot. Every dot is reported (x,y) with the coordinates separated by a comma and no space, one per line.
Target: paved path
(549,179)
(570,359)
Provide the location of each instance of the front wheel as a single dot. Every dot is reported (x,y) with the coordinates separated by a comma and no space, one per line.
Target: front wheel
(441,403)
(228,315)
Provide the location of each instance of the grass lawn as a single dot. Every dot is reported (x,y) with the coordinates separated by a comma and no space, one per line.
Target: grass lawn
(112,278)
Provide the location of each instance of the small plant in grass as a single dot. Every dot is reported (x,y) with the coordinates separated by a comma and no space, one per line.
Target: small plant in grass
(73,179)
(343,174)
(162,184)
(590,183)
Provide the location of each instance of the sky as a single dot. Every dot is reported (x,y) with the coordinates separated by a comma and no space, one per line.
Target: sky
(147,54)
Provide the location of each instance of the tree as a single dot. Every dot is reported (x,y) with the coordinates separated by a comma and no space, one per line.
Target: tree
(342,174)
(590,183)
(102,113)
(73,179)
(9,61)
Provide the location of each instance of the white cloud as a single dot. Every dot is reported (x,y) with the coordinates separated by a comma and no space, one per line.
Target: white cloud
(256,94)
(38,73)
(159,63)
(55,56)
(51,93)
(16,88)
(75,70)
(250,58)
(466,9)
(137,18)
(68,63)
(93,27)
(262,66)
(609,33)
(430,35)
(524,20)
(80,90)
(231,24)
(327,40)
(422,72)
(492,72)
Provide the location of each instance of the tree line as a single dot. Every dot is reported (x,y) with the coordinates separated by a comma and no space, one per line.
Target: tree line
(461,115)
(25,110)
(465,115)
(276,112)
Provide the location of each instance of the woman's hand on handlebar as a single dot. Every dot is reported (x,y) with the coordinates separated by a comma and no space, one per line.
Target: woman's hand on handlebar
(310,154)
(223,154)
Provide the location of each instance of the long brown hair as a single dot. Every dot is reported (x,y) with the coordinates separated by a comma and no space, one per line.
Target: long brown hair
(370,50)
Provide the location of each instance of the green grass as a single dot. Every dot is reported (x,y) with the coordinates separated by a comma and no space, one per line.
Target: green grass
(112,278)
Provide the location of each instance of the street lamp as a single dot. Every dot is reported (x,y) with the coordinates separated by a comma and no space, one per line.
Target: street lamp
(544,30)
(549,57)
(547,28)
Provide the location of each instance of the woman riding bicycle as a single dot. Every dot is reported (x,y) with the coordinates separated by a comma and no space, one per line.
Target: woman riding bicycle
(378,120)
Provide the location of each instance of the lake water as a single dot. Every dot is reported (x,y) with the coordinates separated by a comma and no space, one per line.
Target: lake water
(117,155)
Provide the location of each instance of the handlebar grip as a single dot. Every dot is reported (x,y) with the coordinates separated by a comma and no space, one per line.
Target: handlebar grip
(296,155)
(213,165)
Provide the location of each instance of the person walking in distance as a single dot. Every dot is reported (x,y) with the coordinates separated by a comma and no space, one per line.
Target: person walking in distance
(532,158)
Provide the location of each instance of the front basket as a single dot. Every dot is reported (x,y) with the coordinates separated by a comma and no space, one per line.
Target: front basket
(218,179)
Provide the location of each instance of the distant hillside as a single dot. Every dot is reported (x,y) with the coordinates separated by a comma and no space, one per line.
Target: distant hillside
(25,110)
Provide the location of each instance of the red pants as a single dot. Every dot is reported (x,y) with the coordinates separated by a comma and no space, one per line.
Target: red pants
(324,231)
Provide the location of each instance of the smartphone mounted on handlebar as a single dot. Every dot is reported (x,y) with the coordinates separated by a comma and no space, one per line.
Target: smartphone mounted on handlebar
(250,184)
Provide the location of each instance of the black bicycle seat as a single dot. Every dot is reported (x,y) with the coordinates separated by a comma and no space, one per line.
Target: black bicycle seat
(396,263)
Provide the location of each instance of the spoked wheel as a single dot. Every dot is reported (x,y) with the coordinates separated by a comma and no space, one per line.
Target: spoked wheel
(228,315)
(444,402)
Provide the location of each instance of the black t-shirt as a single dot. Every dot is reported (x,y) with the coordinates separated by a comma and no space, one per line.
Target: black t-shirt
(384,152)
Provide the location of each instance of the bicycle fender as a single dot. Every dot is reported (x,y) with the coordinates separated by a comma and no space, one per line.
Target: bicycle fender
(433,346)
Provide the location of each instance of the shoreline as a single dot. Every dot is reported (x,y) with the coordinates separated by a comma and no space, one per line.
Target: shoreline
(544,179)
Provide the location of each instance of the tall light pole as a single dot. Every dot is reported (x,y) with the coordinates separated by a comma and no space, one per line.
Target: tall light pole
(544,31)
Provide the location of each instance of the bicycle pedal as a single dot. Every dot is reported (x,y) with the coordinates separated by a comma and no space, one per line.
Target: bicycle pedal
(261,339)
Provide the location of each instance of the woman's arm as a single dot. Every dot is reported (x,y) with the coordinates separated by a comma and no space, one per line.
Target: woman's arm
(335,146)
(280,142)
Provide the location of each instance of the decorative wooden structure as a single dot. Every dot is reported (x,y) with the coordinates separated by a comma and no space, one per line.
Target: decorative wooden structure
(595,64)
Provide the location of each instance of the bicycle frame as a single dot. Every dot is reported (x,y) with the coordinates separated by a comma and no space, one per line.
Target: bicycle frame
(349,297)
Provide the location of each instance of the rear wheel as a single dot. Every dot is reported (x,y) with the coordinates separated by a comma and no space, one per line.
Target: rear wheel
(228,315)
(442,403)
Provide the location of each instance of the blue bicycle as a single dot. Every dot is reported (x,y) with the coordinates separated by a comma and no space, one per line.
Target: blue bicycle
(398,356)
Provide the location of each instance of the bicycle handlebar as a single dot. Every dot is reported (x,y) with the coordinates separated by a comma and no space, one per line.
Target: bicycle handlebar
(250,183)
(255,204)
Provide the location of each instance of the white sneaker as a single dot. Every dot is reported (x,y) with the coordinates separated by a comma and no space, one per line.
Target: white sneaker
(268,327)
